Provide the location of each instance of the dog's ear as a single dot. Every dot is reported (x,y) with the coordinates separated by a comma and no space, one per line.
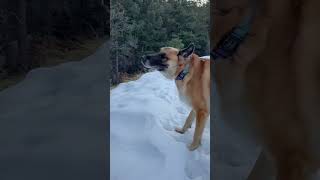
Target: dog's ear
(186,52)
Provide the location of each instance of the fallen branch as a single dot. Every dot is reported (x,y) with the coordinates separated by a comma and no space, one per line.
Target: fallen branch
(92,29)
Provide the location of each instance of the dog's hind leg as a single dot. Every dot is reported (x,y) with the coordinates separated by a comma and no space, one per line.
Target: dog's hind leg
(187,123)
(201,117)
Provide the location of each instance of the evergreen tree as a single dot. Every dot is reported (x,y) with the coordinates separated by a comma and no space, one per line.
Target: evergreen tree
(143,26)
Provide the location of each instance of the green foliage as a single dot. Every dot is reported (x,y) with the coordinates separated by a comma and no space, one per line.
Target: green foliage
(142,26)
(176,42)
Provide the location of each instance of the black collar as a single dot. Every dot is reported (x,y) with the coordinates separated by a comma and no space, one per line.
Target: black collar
(229,43)
(183,73)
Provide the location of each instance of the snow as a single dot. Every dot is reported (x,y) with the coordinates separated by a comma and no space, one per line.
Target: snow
(205,57)
(144,145)
(53,122)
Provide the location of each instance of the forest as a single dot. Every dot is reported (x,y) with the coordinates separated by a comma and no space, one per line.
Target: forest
(38,33)
(144,26)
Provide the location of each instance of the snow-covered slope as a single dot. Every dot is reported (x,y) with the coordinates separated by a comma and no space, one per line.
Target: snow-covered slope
(144,144)
(53,125)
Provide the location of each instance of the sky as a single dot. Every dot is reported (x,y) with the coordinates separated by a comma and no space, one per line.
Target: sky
(202,1)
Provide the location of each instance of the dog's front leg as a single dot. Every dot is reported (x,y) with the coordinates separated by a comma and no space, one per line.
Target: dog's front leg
(187,123)
(201,117)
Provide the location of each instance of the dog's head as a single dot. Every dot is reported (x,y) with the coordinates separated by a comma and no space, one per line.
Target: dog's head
(168,61)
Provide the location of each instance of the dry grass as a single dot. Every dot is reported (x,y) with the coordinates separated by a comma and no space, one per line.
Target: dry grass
(54,53)
(59,52)
(10,81)
(127,78)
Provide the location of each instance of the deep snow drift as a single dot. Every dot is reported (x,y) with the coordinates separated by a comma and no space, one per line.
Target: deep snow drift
(144,145)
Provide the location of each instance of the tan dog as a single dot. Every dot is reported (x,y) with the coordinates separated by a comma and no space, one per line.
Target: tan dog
(193,86)
(276,73)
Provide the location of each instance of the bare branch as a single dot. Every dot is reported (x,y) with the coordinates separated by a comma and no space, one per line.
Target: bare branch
(5,14)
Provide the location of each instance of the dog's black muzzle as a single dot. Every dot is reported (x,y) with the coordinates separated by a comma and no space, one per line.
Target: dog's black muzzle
(154,61)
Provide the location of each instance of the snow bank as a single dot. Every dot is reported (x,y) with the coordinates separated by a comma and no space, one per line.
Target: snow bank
(144,144)
(46,119)
(205,57)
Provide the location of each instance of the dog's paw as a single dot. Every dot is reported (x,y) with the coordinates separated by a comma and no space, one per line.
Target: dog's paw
(193,146)
(180,130)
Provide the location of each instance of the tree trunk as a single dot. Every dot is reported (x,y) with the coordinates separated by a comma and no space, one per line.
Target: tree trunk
(48,19)
(117,67)
(22,36)
(11,51)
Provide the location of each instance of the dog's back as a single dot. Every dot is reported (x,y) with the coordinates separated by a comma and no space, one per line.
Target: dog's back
(196,86)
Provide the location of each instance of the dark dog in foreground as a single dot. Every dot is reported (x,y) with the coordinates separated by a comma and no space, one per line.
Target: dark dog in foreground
(275,72)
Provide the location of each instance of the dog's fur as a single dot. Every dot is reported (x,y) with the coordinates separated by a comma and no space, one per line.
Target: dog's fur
(194,89)
(276,73)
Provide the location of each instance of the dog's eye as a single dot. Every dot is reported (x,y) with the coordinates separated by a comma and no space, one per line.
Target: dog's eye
(164,57)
